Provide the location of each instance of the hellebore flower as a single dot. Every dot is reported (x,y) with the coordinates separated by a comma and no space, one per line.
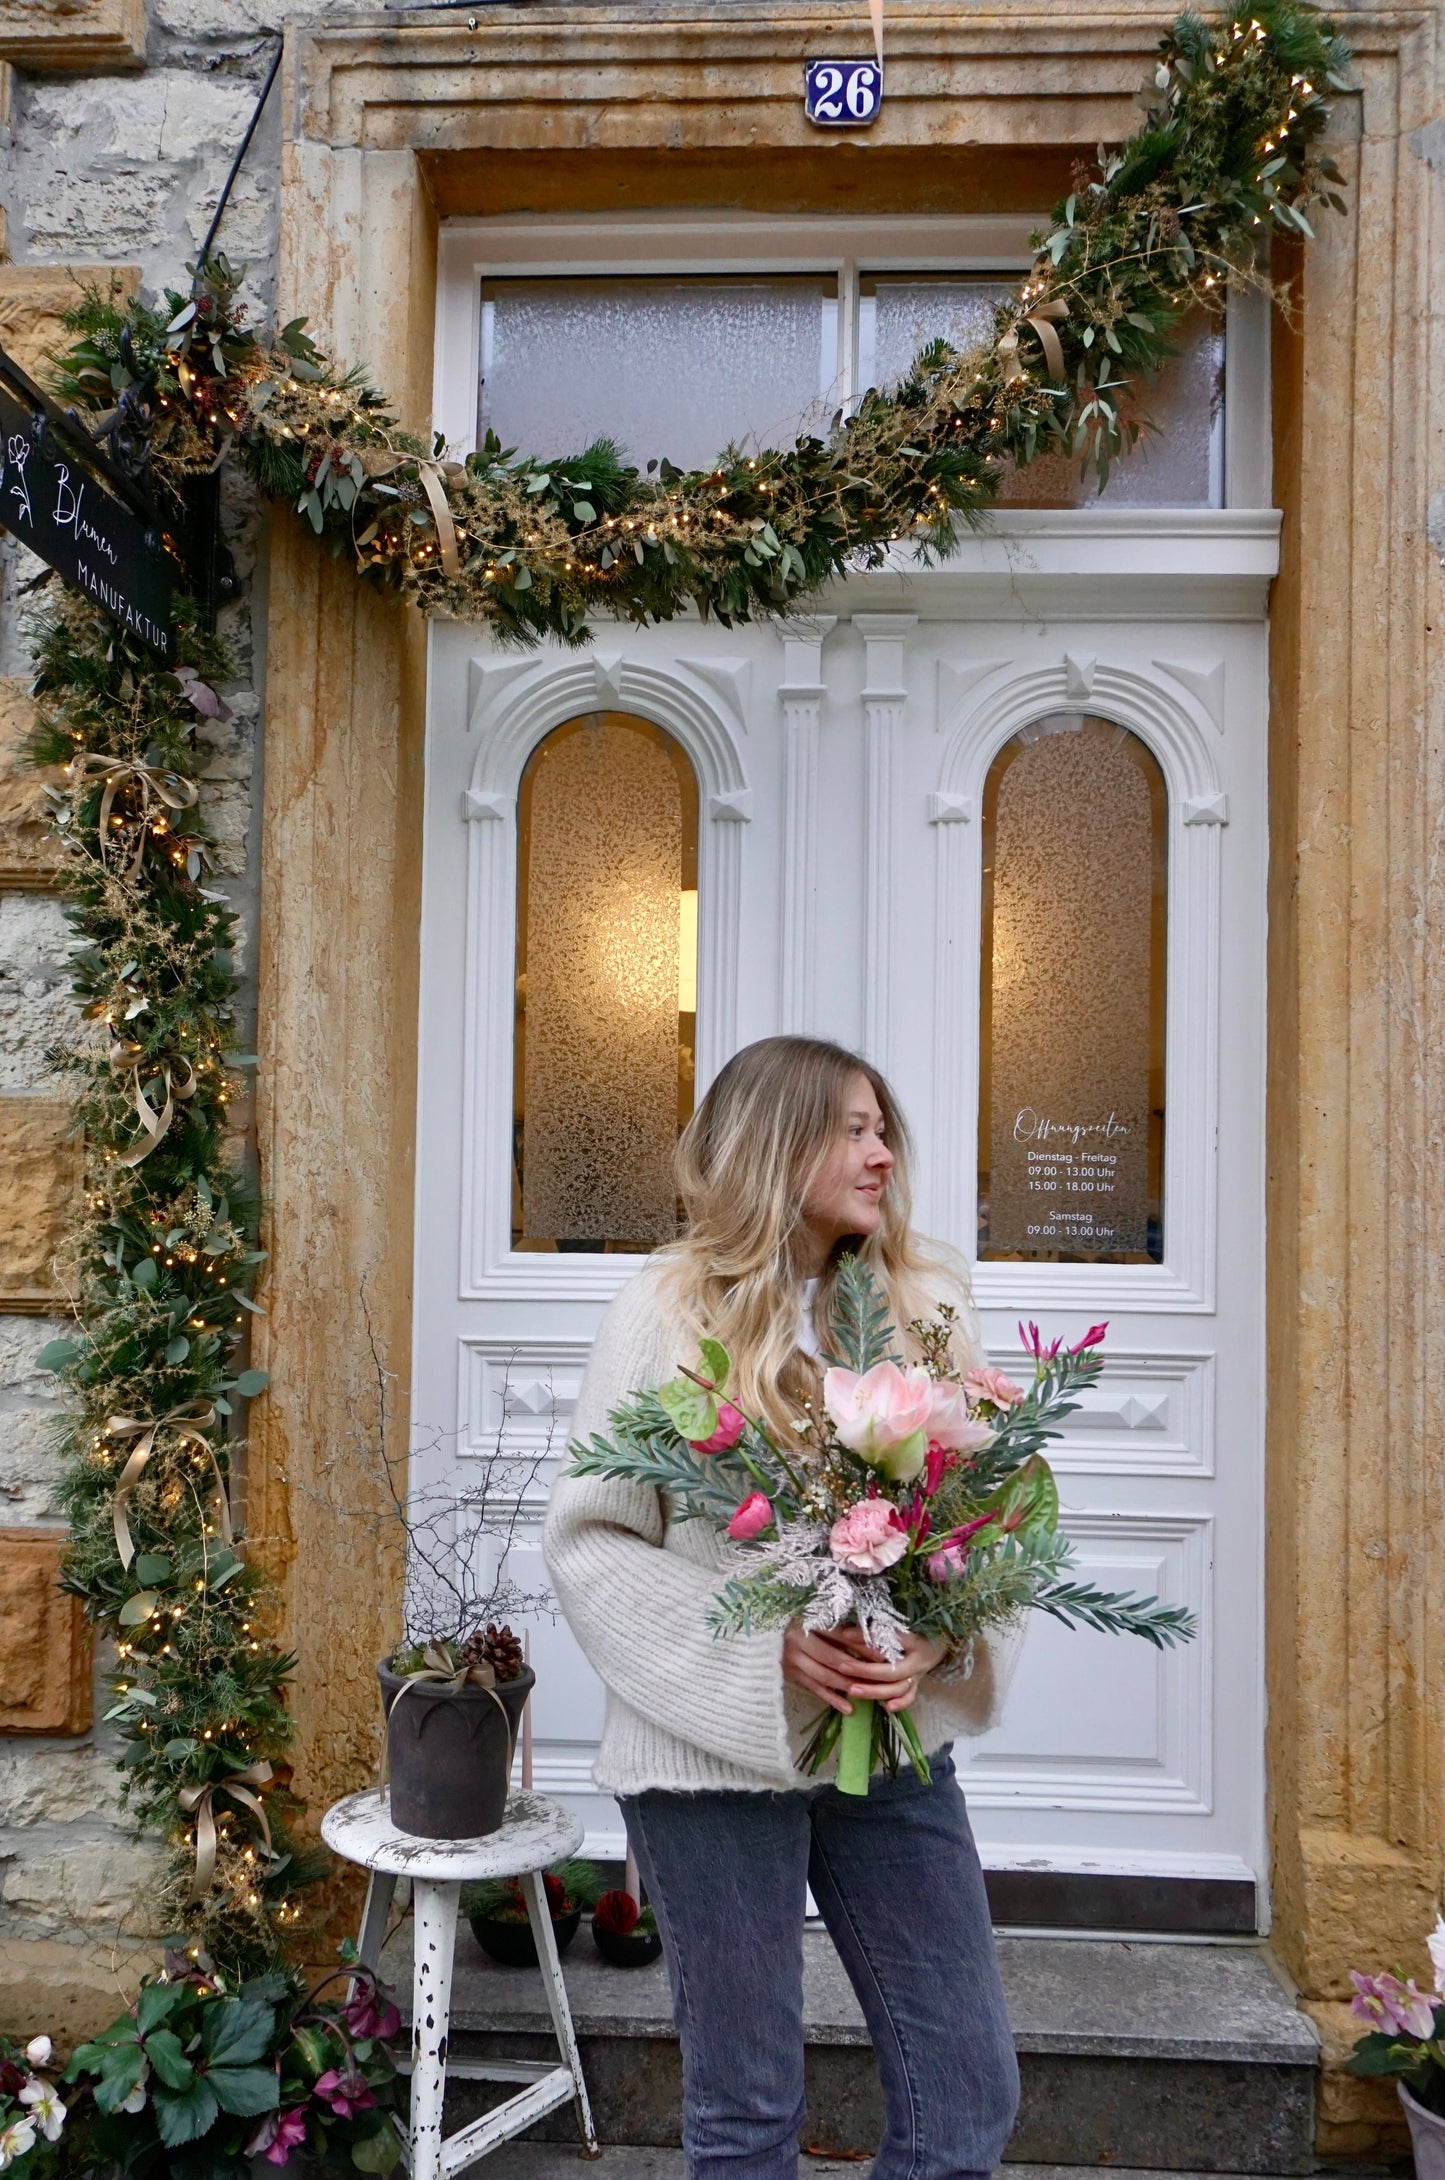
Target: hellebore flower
(15,2140)
(369,2014)
(869,1537)
(752,1517)
(987,1383)
(882,1416)
(731,1423)
(346,2093)
(46,2110)
(1396,2008)
(38,2050)
(278,2135)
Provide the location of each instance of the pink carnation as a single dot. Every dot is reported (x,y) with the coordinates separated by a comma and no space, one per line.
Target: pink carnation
(869,1537)
(731,1423)
(752,1517)
(987,1383)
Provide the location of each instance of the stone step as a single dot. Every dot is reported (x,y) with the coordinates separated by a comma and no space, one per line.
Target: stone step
(562,2161)
(1135,2054)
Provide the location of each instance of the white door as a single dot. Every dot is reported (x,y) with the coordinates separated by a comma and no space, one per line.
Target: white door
(1001,827)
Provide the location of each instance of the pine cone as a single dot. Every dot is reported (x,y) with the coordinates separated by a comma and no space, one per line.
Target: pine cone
(502,1651)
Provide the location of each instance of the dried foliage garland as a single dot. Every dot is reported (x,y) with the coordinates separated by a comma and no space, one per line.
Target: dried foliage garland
(1228,153)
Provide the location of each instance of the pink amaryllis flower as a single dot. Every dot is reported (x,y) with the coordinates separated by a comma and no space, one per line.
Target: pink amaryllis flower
(883,1416)
(731,1423)
(346,2093)
(752,1517)
(869,1537)
(1396,2008)
(988,1383)
(278,2135)
(951,1423)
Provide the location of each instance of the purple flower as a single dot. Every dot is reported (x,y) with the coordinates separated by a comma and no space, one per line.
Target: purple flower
(1393,2007)
(346,2093)
(278,2135)
(369,2014)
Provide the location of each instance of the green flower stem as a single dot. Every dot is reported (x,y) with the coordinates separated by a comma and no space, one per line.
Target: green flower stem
(855,1747)
(908,1735)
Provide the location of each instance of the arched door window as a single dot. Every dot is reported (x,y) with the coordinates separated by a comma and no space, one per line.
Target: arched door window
(606,990)
(1071,1107)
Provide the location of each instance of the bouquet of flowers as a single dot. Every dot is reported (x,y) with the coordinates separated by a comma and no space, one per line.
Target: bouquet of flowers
(918,1499)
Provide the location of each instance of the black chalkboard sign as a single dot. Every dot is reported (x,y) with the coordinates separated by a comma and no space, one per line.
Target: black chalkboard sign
(53,500)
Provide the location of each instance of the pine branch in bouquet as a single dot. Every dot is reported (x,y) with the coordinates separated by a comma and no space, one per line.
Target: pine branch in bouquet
(861,1332)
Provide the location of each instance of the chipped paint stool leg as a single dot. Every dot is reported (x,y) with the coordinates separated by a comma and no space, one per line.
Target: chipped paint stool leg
(540,1916)
(534,1834)
(434,1914)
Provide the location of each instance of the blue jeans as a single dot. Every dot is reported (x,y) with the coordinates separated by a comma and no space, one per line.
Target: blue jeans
(897,1879)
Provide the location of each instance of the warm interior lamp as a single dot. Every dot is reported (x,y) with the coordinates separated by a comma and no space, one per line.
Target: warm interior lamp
(687,953)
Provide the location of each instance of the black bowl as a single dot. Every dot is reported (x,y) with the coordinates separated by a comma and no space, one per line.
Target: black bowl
(512,1943)
(627,1949)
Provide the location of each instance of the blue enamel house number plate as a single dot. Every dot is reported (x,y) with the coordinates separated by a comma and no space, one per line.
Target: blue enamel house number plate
(842,94)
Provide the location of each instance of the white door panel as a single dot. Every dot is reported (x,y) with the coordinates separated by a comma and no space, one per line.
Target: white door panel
(841,768)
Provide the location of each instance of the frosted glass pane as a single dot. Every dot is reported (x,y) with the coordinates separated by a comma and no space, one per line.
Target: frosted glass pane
(665,367)
(1173,466)
(1071,1116)
(897,317)
(606,978)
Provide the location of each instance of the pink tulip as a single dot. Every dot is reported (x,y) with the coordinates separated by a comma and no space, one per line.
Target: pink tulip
(882,1416)
(731,1423)
(950,1422)
(869,1537)
(752,1517)
(987,1383)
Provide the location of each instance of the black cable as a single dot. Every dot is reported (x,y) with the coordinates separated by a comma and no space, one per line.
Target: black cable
(204,258)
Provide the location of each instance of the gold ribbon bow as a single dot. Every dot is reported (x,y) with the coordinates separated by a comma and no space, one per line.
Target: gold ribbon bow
(190,1423)
(197,1800)
(431,478)
(1008,347)
(178,1077)
(155,784)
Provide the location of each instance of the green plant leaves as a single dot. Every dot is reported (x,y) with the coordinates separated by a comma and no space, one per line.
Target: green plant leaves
(237,2033)
(184,2116)
(247,2090)
(167,2056)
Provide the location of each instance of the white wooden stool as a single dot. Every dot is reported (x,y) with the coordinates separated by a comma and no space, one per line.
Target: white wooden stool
(535,1833)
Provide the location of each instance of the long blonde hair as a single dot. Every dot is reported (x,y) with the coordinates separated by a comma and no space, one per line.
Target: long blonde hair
(745,1165)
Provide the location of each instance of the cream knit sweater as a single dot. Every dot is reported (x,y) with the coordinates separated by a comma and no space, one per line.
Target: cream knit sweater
(688,1710)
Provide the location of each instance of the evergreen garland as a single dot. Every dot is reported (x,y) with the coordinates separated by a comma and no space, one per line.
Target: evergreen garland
(1227,154)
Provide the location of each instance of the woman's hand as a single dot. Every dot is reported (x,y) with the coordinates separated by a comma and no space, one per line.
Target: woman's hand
(843,1664)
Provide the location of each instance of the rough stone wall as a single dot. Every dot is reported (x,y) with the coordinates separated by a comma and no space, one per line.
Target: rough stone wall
(119,165)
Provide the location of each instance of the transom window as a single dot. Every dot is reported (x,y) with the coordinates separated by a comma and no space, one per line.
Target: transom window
(679,337)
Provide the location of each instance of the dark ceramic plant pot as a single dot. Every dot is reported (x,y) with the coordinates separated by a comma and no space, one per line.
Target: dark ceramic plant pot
(449,1752)
(512,1943)
(627,1949)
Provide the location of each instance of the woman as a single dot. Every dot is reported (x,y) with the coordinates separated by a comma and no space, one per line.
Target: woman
(796,1154)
